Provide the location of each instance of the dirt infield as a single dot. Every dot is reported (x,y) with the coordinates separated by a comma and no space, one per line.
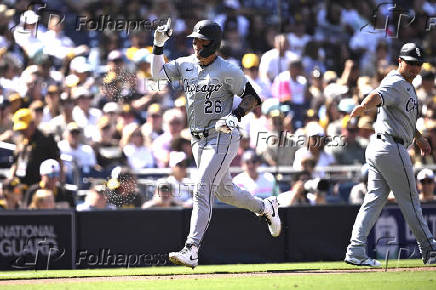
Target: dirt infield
(207,276)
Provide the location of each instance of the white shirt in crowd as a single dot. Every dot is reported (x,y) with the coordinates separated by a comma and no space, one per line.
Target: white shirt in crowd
(261,187)
(269,63)
(84,156)
(138,157)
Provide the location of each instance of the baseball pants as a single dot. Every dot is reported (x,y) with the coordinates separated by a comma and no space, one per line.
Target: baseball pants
(390,169)
(213,156)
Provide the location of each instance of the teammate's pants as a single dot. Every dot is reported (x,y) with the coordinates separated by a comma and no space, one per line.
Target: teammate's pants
(213,156)
(390,169)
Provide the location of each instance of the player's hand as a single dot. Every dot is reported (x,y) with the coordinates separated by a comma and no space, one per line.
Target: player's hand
(227,124)
(423,144)
(162,34)
(358,111)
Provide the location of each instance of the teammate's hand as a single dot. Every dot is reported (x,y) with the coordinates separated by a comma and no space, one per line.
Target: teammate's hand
(358,111)
(423,144)
(227,124)
(162,34)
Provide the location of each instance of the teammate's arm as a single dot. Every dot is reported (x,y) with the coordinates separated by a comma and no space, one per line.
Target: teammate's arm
(370,102)
(161,35)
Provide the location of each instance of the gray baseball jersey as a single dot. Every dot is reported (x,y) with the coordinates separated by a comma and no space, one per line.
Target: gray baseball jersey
(209,90)
(399,109)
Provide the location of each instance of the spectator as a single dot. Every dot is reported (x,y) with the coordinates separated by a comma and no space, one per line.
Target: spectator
(173,124)
(33,148)
(290,87)
(426,185)
(250,63)
(304,192)
(53,101)
(11,196)
(58,125)
(6,123)
(315,147)
(50,180)
(132,142)
(428,88)
(276,60)
(37,108)
(258,184)
(76,156)
(108,151)
(43,199)
(84,115)
(181,185)
(359,190)
(163,197)
(349,151)
(153,124)
(123,189)
(94,199)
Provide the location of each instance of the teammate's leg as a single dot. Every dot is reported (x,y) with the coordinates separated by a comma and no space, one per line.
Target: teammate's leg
(402,181)
(369,212)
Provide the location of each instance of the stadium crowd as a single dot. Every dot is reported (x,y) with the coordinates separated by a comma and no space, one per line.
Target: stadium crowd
(78,101)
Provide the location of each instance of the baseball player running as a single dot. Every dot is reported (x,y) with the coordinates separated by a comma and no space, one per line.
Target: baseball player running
(210,84)
(390,166)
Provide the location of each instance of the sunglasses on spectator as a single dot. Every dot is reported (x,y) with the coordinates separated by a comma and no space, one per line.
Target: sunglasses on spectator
(427,181)
(413,62)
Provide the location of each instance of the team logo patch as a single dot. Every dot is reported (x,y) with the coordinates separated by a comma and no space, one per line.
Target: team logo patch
(418,52)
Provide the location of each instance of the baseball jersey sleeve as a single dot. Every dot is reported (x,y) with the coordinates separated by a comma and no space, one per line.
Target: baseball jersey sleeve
(388,91)
(237,80)
(172,70)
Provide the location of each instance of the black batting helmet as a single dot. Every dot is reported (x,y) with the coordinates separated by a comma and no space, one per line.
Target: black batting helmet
(209,30)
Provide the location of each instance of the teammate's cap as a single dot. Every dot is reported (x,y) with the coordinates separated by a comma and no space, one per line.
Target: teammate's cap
(425,174)
(410,51)
(49,166)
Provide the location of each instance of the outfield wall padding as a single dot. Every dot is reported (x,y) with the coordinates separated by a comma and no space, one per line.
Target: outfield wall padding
(136,237)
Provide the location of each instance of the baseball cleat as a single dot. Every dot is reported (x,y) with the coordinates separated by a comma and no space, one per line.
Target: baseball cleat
(362,262)
(429,257)
(271,214)
(188,256)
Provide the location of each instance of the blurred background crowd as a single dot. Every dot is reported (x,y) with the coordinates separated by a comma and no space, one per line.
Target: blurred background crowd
(82,125)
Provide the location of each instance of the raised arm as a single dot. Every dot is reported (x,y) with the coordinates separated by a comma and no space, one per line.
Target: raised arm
(161,35)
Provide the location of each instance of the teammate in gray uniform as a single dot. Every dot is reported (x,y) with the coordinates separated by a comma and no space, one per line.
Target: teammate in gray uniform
(210,84)
(390,166)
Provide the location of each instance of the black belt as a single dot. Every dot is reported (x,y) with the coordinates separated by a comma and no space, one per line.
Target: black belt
(200,135)
(396,139)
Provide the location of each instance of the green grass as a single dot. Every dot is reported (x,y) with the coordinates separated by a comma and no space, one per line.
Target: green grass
(362,280)
(373,280)
(207,269)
